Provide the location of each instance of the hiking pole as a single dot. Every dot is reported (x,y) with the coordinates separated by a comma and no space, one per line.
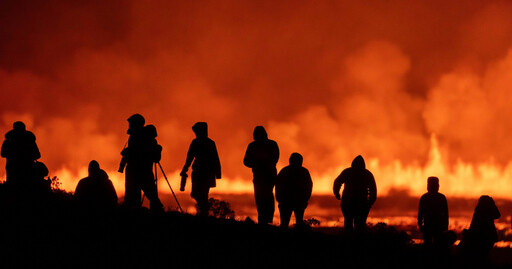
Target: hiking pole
(163,173)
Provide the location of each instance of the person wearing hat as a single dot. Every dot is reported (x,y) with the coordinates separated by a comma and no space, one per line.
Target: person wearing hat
(138,157)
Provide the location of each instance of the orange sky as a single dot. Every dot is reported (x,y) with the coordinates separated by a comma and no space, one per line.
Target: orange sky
(418,88)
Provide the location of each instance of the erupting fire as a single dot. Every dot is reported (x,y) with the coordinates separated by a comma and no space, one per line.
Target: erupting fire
(461,179)
(417,90)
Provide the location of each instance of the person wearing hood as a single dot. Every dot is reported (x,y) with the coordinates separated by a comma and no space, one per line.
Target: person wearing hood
(21,151)
(262,155)
(95,193)
(205,167)
(358,197)
(293,190)
(138,157)
(478,241)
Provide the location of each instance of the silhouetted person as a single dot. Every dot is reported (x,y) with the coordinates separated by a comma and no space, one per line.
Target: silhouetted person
(95,193)
(432,213)
(433,221)
(479,239)
(40,186)
(138,157)
(359,195)
(293,190)
(262,155)
(205,169)
(21,151)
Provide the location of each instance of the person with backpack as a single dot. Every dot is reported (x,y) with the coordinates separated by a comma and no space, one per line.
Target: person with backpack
(141,153)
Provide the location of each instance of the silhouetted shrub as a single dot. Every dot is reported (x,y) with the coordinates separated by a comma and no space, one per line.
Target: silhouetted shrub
(381,232)
(312,222)
(221,209)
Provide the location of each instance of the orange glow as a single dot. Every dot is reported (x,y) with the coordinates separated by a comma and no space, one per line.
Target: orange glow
(462,179)
(418,88)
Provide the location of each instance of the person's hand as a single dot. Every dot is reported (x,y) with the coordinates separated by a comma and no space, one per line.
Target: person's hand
(337,196)
(121,169)
(420,226)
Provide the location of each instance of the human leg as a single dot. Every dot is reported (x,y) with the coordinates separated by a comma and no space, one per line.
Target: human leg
(299,216)
(132,195)
(200,193)
(264,196)
(285,213)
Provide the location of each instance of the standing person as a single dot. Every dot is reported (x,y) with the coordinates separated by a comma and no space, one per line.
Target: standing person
(293,190)
(21,151)
(138,157)
(205,169)
(359,195)
(262,155)
(433,214)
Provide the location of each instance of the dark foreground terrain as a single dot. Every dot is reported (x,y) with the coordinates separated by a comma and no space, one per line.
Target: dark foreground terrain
(52,234)
(140,239)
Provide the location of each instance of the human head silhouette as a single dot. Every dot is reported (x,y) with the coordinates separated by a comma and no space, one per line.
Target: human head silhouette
(296,159)
(151,130)
(259,133)
(135,121)
(358,162)
(94,168)
(433,184)
(19,126)
(486,201)
(200,129)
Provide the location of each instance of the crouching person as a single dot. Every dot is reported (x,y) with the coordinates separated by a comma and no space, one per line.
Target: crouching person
(293,190)
(95,194)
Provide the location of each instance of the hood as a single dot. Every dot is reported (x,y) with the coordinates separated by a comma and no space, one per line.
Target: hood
(94,167)
(358,162)
(259,134)
(200,129)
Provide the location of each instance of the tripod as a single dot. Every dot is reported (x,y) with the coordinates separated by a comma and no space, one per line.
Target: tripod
(168,184)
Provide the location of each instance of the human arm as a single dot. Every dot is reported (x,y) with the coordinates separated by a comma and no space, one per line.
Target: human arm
(216,159)
(309,185)
(248,158)
(275,153)
(5,149)
(337,184)
(445,215)
(189,159)
(372,190)
(420,215)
